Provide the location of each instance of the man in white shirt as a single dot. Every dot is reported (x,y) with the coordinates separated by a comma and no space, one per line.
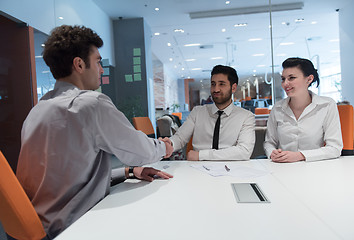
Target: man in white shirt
(68,138)
(236,127)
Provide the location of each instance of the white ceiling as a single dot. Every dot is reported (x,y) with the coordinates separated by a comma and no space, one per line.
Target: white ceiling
(233,45)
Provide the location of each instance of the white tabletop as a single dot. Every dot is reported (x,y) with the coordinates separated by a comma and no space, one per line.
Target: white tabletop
(307,201)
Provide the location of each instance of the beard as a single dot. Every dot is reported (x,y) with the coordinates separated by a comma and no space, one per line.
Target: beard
(222,99)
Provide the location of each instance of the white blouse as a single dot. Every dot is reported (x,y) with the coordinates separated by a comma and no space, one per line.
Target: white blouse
(316,134)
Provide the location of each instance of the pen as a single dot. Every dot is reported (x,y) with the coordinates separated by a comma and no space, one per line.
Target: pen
(227,169)
(206,168)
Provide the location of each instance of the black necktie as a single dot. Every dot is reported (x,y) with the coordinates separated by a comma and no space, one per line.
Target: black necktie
(216,132)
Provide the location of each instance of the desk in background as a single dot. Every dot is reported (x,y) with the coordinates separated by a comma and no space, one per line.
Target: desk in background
(308,201)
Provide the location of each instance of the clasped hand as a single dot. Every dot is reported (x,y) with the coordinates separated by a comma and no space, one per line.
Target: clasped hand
(280,156)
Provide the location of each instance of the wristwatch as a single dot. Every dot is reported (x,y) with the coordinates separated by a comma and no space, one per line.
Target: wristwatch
(131,172)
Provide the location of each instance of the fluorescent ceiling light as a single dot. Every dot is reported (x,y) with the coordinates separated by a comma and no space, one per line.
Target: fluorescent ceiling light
(171,59)
(254,39)
(61,18)
(157,9)
(216,58)
(247,10)
(156,34)
(227,2)
(261,65)
(258,55)
(334,40)
(192,45)
(38,57)
(240,25)
(313,22)
(223,30)
(195,69)
(169,44)
(190,60)
(179,30)
(287,43)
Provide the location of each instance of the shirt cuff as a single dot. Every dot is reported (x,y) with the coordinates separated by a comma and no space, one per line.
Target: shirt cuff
(117,175)
(204,154)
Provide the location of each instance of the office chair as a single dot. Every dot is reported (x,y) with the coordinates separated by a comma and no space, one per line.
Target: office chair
(347,127)
(17,214)
(144,124)
(189,145)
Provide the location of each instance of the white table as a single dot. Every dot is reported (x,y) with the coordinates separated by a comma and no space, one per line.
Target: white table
(308,201)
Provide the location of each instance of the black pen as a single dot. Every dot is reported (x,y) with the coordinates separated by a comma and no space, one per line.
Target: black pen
(227,169)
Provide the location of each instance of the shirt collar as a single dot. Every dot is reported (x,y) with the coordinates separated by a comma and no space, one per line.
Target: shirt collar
(227,110)
(316,100)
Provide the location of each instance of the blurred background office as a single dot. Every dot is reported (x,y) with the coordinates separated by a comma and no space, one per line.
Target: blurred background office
(158,54)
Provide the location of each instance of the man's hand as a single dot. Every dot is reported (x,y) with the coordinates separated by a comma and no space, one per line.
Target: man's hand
(286,156)
(149,174)
(169,147)
(193,155)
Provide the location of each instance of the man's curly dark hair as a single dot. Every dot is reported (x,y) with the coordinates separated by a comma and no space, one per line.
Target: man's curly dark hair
(64,44)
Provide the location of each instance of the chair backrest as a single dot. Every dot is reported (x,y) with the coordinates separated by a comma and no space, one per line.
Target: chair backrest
(189,145)
(259,111)
(178,114)
(17,214)
(144,124)
(347,126)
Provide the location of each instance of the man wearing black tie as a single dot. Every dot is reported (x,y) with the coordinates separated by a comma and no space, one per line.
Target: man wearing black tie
(220,131)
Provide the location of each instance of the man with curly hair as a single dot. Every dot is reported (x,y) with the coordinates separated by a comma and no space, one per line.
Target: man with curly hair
(68,138)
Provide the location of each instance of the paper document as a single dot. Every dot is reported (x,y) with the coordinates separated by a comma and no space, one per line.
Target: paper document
(227,169)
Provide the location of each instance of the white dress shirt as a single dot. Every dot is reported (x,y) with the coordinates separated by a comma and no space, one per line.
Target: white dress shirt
(236,138)
(316,134)
(65,159)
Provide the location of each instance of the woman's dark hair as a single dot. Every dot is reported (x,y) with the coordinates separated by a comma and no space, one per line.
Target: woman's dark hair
(229,71)
(66,43)
(305,66)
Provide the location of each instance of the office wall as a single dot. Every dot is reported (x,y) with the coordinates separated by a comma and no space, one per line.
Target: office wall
(43,16)
(346,33)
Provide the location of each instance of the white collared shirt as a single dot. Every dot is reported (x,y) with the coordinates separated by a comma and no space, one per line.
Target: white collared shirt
(237,133)
(316,134)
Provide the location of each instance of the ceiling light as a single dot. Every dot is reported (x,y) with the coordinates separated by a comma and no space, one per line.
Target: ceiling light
(258,55)
(157,9)
(261,65)
(313,22)
(227,2)
(334,40)
(223,30)
(61,18)
(171,59)
(254,70)
(157,34)
(240,25)
(179,30)
(192,45)
(216,58)
(182,69)
(254,39)
(38,56)
(247,10)
(190,60)
(169,44)
(196,69)
(43,45)
(287,43)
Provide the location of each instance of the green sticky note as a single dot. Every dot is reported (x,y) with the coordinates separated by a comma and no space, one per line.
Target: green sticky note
(137,69)
(106,71)
(137,77)
(136,60)
(128,78)
(136,52)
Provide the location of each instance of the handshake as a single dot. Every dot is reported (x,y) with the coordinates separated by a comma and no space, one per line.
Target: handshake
(169,147)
